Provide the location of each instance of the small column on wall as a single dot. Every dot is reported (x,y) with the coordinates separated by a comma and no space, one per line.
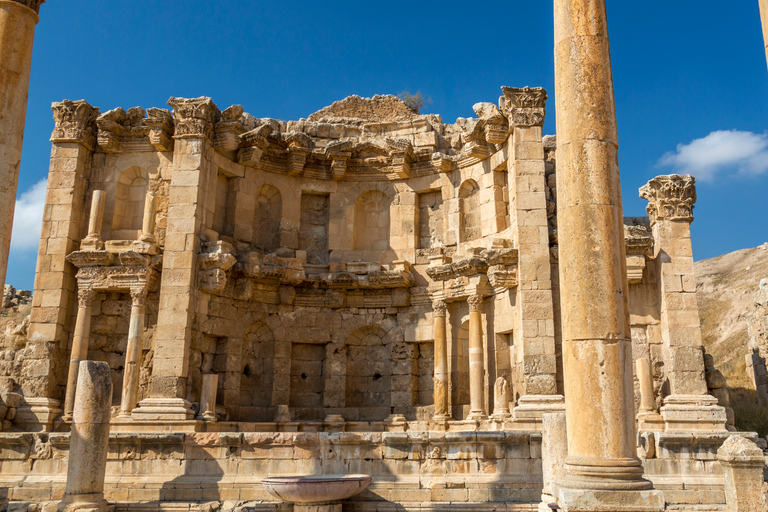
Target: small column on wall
(188,196)
(525,109)
(476,359)
(73,138)
(133,353)
(79,346)
(440,313)
(671,201)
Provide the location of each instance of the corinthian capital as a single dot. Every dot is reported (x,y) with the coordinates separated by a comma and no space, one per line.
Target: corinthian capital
(670,197)
(439,308)
(194,117)
(524,107)
(75,122)
(85,297)
(475,302)
(32,4)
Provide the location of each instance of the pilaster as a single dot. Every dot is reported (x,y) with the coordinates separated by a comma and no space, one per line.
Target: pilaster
(670,209)
(55,286)
(192,172)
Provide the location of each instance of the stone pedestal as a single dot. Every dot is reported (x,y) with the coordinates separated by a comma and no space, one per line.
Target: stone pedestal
(742,463)
(89,440)
(603,471)
(440,312)
(79,347)
(17,35)
(476,359)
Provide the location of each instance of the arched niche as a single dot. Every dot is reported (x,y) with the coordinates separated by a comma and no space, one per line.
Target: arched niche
(470,220)
(369,373)
(266,221)
(257,374)
(130,195)
(371,228)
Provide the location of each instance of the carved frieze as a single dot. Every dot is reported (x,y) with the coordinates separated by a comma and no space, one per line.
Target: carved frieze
(500,276)
(670,197)
(117,126)
(75,121)
(119,277)
(194,117)
(500,258)
(87,259)
(524,107)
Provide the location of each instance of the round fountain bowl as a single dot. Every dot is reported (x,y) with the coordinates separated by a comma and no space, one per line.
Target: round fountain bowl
(315,489)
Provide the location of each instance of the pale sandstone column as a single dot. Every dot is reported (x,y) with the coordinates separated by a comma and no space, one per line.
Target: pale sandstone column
(440,312)
(554,451)
(689,407)
(133,353)
(148,221)
(89,440)
(645,378)
(79,347)
(476,359)
(17,34)
(764,18)
(208,393)
(93,241)
(597,355)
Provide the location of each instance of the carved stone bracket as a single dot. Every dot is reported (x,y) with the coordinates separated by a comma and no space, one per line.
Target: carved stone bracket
(195,117)
(401,153)
(233,124)
(118,126)
(339,153)
(214,263)
(525,107)
(161,129)
(75,122)
(252,145)
(444,163)
(670,197)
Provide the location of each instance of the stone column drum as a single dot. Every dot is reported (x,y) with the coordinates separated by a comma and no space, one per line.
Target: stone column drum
(79,347)
(93,241)
(17,34)
(764,18)
(476,364)
(597,354)
(89,440)
(133,353)
(440,312)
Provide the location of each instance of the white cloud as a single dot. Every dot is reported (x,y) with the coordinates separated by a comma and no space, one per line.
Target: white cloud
(720,152)
(28,218)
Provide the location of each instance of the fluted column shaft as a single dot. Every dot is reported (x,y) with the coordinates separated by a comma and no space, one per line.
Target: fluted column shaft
(133,353)
(79,346)
(17,35)
(441,361)
(597,353)
(476,359)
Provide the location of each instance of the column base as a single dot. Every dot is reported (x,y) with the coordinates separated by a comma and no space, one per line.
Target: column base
(686,413)
(83,503)
(530,409)
(163,409)
(37,414)
(650,421)
(587,500)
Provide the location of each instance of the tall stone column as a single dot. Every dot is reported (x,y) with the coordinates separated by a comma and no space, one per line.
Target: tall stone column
(89,441)
(79,346)
(133,353)
(764,18)
(440,313)
(603,471)
(689,407)
(188,209)
(17,34)
(476,359)
(73,138)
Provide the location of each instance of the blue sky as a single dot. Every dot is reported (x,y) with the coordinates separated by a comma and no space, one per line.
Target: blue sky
(690,77)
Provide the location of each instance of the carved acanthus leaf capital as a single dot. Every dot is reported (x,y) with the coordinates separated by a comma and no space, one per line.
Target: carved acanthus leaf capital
(75,122)
(194,117)
(32,4)
(524,107)
(85,297)
(475,302)
(440,308)
(670,197)
(139,296)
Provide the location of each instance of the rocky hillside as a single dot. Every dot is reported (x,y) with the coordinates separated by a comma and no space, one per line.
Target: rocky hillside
(726,286)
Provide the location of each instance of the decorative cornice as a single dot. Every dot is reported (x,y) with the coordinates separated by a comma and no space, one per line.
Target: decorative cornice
(32,4)
(195,117)
(524,107)
(670,197)
(75,122)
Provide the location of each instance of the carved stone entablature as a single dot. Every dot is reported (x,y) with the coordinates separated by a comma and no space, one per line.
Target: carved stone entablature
(491,122)
(670,197)
(87,259)
(214,263)
(161,128)
(271,269)
(194,117)
(32,4)
(401,153)
(252,145)
(501,259)
(117,127)
(233,124)
(637,236)
(524,107)
(444,163)
(378,279)
(339,153)
(75,122)
(500,276)
(461,288)
(299,148)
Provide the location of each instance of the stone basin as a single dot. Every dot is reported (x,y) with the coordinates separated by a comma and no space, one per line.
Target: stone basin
(315,489)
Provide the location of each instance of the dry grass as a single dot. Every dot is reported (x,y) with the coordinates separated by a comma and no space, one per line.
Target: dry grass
(750,417)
